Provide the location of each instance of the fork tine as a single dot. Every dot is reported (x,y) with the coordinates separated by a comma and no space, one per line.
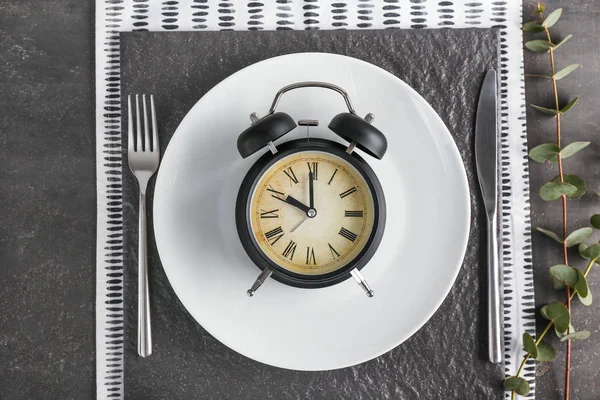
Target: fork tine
(138,125)
(130,144)
(155,145)
(146,127)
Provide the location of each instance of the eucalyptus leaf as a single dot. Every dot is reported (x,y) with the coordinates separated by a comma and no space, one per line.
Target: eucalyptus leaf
(565,71)
(592,252)
(573,148)
(575,181)
(554,190)
(545,352)
(587,300)
(545,152)
(581,285)
(564,274)
(556,284)
(582,247)
(529,345)
(579,236)
(552,18)
(569,105)
(545,110)
(533,26)
(563,334)
(517,384)
(583,290)
(595,221)
(581,335)
(565,40)
(558,314)
(539,46)
(550,234)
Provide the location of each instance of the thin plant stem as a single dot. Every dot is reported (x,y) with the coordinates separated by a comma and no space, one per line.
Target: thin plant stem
(568,293)
(564,212)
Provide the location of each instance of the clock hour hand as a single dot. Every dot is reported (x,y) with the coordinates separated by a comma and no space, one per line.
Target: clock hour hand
(293,202)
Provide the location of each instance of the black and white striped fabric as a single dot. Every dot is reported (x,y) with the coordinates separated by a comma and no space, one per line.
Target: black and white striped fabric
(114,16)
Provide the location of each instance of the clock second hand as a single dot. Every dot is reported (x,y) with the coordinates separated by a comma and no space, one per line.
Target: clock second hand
(299,223)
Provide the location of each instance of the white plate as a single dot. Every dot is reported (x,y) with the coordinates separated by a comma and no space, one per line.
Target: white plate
(421,252)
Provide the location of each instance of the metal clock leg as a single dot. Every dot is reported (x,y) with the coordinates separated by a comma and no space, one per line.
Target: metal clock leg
(266,273)
(360,279)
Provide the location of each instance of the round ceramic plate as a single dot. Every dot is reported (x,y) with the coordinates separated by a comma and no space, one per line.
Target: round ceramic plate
(428,215)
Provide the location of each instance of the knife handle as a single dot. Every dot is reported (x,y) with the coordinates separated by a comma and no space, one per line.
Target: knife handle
(494,329)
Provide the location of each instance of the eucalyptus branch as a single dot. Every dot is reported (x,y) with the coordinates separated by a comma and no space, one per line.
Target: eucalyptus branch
(563,186)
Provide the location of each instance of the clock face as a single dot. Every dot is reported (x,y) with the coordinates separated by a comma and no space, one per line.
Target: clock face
(312,237)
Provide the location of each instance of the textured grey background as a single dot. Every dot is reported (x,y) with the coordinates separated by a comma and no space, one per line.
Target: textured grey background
(187,359)
(582,19)
(47,194)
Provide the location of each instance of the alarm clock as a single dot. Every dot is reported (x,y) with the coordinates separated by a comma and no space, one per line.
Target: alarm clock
(311,212)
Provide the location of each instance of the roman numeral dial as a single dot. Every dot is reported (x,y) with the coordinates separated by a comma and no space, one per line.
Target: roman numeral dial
(311,235)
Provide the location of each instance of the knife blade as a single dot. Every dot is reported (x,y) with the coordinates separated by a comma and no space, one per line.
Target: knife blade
(486,159)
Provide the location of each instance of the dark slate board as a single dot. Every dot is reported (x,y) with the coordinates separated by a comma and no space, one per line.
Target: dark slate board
(446,359)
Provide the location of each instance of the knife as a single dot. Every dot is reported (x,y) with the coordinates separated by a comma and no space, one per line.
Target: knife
(486,158)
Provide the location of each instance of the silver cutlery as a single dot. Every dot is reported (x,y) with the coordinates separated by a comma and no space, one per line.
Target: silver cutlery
(486,157)
(144,155)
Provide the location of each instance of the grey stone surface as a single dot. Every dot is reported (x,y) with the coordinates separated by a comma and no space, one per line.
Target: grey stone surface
(47,200)
(47,218)
(580,18)
(178,68)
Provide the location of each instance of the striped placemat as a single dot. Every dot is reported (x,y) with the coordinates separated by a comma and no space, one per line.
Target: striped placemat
(114,16)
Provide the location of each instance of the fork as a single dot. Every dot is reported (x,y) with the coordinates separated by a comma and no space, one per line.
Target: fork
(143,155)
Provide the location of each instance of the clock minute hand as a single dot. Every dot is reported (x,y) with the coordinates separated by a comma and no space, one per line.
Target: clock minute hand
(311,190)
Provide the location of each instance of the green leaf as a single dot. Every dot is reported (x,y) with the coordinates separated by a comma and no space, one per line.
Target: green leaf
(554,190)
(529,345)
(558,314)
(551,234)
(545,110)
(595,221)
(556,284)
(545,352)
(563,334)
(539,46)
(569,105)
(565,71)
(516,384)
(564,274)
(573,148)
(579,236)
(592,252)
(552,18)
(545,152)
(582,247)
(587,300)
(581,335)
(533,26)
(583,290)
(575,181)
(565,40)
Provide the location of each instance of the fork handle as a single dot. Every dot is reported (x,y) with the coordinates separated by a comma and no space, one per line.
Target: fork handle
(144,332)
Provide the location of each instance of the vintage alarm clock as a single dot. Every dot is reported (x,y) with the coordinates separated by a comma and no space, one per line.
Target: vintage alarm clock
(311,212)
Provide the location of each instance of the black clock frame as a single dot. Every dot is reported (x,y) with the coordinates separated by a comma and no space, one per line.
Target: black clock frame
(243,213)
